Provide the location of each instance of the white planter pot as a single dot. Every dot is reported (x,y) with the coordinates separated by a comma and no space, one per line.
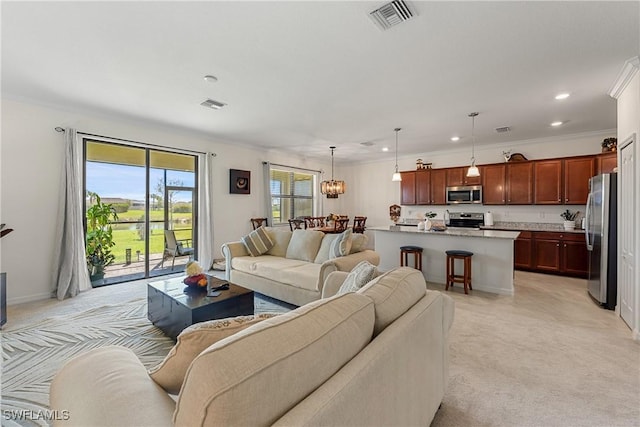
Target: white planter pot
(569,225)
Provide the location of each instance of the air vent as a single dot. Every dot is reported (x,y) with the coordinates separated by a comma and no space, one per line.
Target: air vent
(391,14)
(367,143)
(503,129)
(216,105)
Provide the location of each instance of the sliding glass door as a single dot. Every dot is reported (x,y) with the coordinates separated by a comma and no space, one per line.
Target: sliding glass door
(152,191)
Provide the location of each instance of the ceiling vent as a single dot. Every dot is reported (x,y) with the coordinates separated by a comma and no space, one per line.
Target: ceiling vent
(367,143)
(391,14)
(211,103)
(503,129)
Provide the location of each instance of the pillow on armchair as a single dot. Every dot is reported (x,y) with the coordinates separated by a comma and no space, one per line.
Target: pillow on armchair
(362,273)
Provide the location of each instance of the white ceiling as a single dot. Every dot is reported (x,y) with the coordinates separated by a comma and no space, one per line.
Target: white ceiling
(301,76)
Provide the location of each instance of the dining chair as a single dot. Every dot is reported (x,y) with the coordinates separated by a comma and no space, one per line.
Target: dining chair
(341,224)
(175,247)
(258,222)
(358,224)
(314,221)
(297,224)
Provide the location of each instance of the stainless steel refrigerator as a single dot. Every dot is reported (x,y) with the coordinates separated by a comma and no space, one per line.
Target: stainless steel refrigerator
(601,233)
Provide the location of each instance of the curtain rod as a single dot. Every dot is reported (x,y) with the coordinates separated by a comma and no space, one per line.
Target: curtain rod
(293,167)
(62,130)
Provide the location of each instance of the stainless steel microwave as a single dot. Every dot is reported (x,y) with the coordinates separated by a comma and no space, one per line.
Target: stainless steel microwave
(464,194)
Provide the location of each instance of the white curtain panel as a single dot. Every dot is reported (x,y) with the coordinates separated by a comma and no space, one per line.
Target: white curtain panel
(205,211)
(71,274)
(266,170)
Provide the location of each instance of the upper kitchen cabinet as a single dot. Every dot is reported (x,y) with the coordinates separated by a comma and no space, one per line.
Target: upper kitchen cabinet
(577,172)
(438,186)
(408,188)
(562,181)
(423,187)
(607,162)
(493,184)
(458,176)
(547,187)
(519,180)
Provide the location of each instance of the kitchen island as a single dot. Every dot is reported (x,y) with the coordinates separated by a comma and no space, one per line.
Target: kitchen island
(492,262)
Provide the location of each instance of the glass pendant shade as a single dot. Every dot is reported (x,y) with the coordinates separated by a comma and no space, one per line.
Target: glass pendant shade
(473,170)
(332,188)
(396,177)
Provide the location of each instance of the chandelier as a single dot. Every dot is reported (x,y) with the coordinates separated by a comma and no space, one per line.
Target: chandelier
(332,188)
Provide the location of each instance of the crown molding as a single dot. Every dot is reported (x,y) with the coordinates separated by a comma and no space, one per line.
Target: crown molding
(629,70)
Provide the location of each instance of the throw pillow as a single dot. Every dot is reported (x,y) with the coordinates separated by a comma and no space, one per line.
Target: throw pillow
(170,373)
(358,242)
(342,245)
(362,273)
(280,240)
(257,242)
(325,247)
(304,245)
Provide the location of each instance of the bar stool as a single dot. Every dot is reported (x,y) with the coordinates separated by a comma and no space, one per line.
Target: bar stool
(417,256)
(465,278)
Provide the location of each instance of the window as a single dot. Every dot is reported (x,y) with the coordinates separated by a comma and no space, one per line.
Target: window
(292,193)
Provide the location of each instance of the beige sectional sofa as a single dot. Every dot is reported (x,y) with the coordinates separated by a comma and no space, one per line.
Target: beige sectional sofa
(295,268)
(375,357)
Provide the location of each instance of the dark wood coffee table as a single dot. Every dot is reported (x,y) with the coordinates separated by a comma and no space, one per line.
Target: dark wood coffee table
(172,306)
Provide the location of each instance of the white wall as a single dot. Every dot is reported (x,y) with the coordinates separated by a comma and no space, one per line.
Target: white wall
(376,192)
(31,162)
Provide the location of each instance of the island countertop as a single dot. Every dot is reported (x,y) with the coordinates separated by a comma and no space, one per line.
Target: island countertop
(459,232)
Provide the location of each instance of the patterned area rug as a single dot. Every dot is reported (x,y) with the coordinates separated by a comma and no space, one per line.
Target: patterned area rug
(32,355)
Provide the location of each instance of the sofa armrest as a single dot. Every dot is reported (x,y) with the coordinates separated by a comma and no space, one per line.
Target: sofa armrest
(109,386)
(333,283)
(230,250)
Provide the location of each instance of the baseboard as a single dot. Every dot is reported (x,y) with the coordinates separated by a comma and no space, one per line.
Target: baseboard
(28,298)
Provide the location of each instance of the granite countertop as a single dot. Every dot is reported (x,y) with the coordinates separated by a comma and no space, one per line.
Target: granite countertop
(459,232)
(530,226)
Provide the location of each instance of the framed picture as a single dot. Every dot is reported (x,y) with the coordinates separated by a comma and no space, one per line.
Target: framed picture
(239,181)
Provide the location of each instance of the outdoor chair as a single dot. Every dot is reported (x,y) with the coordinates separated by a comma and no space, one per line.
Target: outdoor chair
(175,248)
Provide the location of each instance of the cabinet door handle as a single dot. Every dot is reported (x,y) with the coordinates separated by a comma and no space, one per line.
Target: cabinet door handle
(566,200)
(558,244)
(559,199)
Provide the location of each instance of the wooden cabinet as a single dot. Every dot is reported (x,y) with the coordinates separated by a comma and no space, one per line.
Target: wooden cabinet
(458,176)
(522,251)
(547,182)
(560,253)
(577,172)
(546,250)
(493,184)
(408,188)
(574,255)
(438,186)
(607,162)
(519,180)
(423,187)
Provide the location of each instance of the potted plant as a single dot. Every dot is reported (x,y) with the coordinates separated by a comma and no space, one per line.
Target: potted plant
(569,219)
(427,220)
(99,239)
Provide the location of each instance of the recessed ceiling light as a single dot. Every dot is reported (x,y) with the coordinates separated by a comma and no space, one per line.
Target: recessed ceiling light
(562,96)
(211,79)
(455,138)
(556,123)
(385,149)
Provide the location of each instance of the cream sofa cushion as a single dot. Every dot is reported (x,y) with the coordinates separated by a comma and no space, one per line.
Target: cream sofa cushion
(170,373)
(358,242)
(342,245)
(304,245)
(394,293)
(280,239)
(274,364)
(323,252)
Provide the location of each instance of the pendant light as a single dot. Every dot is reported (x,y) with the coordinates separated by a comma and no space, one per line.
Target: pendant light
(473,169)
(396,175)
(332,188)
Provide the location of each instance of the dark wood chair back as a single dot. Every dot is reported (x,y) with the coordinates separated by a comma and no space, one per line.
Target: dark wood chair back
(341,224)
(314,221)
(258,222)
(358,224)
(297,224)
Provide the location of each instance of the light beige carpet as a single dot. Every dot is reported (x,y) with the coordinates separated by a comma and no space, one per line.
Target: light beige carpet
(547,356)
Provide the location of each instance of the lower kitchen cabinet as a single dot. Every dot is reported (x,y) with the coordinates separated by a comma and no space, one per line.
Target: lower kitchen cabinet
(552,252)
